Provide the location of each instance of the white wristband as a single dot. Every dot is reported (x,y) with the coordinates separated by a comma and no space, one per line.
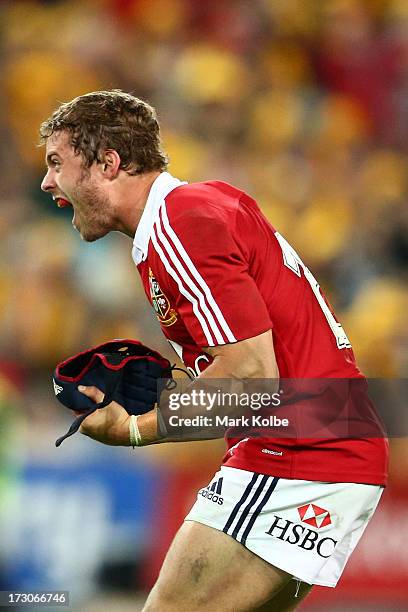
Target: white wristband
(134,433)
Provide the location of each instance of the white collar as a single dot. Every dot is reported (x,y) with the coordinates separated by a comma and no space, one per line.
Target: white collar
(160,188)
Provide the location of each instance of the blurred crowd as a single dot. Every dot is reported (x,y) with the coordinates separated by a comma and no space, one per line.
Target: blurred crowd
(302,103)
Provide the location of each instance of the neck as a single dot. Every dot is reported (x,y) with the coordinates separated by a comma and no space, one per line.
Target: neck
(131,193)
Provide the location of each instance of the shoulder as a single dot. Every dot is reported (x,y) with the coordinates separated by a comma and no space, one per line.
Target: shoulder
(206,190)
(210,199)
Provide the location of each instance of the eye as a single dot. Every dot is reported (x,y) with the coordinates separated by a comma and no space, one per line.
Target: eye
(55,163)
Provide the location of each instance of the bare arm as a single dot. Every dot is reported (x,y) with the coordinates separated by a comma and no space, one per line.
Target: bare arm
(251,358)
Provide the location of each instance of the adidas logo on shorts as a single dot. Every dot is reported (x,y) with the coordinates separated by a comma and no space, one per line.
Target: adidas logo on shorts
(213,491)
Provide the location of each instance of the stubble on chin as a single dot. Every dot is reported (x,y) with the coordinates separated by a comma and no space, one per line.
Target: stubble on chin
(91,233)
(88,237)
(93,221)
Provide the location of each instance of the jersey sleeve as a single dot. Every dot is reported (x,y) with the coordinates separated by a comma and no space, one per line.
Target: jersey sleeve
(213,292)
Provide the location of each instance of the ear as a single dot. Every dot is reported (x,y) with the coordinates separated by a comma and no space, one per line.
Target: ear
(110,164)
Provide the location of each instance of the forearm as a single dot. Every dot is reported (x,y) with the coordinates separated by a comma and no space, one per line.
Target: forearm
(149,426)
(150,433)
(111,425)
(221,374)
(246,361)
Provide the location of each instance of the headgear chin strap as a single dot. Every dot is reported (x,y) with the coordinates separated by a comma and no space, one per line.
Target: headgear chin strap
(78,421)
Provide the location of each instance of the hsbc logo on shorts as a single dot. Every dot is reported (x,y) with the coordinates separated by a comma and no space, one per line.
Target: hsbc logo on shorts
(302,536)
(314,515)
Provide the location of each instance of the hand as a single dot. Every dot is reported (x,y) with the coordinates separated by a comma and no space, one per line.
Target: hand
(109,425)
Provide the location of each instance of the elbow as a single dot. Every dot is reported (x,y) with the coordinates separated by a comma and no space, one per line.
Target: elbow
(250,367)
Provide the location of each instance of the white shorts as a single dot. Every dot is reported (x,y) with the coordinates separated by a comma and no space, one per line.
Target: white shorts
(308,529)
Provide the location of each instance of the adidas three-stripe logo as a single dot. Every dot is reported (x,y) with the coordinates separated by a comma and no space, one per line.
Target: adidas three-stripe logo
(255,497)
(216,486)
(213,491)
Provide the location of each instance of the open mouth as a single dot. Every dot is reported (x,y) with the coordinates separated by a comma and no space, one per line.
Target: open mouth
(62,202)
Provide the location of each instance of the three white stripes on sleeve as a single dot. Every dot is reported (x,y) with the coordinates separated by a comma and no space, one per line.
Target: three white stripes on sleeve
(191,284)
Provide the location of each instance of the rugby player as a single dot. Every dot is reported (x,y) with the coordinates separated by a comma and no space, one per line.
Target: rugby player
(236,302)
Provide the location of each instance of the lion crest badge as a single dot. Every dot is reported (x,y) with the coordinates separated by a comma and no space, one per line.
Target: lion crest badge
(167,316)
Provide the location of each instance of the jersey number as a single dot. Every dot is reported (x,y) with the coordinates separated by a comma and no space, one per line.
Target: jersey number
(292,261)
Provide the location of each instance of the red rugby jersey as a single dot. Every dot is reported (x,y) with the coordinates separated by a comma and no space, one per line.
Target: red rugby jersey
(217,272)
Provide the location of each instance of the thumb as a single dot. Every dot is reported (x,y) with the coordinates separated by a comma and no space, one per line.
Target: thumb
(93,393)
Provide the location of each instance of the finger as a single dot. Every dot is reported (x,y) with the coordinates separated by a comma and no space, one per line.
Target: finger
(93,393)
(83,431)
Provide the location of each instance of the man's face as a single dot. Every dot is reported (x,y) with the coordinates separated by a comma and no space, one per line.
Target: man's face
(71,183)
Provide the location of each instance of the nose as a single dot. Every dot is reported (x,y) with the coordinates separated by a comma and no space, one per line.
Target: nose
(48,182)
